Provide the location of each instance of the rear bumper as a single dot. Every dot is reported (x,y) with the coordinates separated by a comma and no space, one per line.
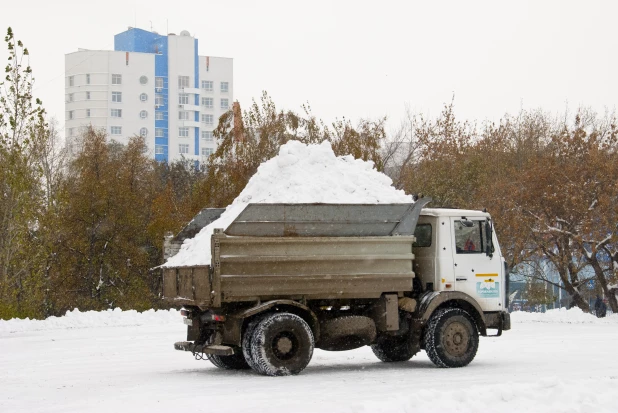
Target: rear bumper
(201,348)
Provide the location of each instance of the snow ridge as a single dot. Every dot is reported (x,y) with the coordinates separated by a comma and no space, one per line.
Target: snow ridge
(562,315)
(119,318)
(89,319)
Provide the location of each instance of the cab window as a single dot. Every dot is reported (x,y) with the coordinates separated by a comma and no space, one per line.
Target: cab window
(422,233)
(469,237)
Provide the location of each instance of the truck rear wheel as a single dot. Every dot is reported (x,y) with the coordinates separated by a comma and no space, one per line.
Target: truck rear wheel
(451,338)
(282,345)
(234,362)
(390,349)
(247,339)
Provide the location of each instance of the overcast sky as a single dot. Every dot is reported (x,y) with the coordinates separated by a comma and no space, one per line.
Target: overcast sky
(357,58)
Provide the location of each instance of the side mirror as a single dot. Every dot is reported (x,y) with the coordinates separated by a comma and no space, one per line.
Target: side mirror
(466,222)
(489,249)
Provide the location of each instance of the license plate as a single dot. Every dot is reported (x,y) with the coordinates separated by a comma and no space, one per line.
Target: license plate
(188,321)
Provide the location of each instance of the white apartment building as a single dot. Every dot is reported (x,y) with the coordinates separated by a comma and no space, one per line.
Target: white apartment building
(151,85)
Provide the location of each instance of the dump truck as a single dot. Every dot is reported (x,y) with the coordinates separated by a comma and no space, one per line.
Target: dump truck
(285,279)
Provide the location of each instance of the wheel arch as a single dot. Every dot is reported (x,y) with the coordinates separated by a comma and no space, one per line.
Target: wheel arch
(432,301)
(290,306)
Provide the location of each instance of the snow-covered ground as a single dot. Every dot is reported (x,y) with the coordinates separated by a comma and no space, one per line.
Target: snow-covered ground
(124,362)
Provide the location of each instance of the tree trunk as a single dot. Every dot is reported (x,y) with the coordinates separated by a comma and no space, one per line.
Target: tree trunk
(573,292)
(577,298)
(600,276)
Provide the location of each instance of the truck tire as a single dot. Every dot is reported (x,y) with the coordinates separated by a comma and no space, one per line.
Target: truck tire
(282,345)
(391,349)
(247,339)
(234,362)
(451,338)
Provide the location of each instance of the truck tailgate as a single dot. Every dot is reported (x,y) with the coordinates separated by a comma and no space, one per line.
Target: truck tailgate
(187,285)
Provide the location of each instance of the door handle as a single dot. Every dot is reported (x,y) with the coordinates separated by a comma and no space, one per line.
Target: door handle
(461,279)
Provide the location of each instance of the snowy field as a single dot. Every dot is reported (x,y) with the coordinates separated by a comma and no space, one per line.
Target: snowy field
(124,362)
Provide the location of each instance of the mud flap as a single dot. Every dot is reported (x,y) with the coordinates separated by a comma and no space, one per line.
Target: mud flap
(504,323)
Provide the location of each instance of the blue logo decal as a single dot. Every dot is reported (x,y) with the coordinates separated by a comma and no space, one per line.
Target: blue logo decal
(488,289)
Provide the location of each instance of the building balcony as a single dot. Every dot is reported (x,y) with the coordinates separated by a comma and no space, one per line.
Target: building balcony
(195,108)
(189,123)
(192,90)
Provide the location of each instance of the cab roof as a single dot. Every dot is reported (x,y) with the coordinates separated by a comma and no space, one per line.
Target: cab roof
(449,212)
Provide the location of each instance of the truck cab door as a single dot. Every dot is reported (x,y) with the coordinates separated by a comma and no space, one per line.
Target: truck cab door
(478,272)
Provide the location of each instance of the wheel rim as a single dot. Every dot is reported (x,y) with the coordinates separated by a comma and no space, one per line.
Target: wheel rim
(456,339)
(285,345)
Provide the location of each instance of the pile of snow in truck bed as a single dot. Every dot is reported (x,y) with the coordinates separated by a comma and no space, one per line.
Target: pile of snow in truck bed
(299,174)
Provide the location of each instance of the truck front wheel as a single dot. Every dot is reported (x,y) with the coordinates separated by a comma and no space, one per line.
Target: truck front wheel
(451,338)
(282,345)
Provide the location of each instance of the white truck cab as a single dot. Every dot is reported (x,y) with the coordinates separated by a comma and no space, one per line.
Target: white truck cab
(457,250)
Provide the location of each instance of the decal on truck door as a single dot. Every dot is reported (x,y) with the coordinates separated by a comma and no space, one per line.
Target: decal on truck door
(488,288)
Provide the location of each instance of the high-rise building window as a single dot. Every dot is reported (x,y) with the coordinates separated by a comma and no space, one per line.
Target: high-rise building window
(225,104)
(183,148)
(207,85)
(207,103)
(225,87)
(71,80)
(207,135)
(71,97)
(207,151)
(87,95)
(70,131)
(117,97)
(159,150)
(70,114)
(159,132)
(143,114)
(116,130)
(183,98)
(183,115)
(116,79)
(116,113)
(159,100)
(143,132)
(183,132)
(183,81)
(159,116)
(87,79)
(87,113)
(208,119)
(159,82)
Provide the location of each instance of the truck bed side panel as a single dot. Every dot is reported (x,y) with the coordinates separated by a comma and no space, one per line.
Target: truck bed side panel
(313,267)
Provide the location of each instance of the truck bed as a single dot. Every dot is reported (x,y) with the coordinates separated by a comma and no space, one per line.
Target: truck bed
(263,268)
(303,251)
